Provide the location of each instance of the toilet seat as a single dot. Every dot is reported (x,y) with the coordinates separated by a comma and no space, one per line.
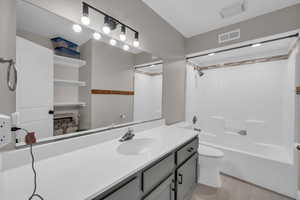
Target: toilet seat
(210,152)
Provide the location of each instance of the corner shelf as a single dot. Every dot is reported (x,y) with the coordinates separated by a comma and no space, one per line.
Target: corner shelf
(70,104)
(69,83)
(68,62)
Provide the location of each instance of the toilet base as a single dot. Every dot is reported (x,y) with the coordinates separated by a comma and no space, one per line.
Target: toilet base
(210,179)
(209,171)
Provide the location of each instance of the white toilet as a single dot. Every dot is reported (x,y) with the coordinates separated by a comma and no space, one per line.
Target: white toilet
(210,161)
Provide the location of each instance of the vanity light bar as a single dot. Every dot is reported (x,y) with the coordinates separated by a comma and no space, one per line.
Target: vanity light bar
(111,22)
(243,46)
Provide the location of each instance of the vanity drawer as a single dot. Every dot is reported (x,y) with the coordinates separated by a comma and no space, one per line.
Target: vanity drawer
(187,150)
(157,172)
(128,191)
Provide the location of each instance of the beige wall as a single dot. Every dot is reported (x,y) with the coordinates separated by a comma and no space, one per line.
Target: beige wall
(144,57)
(280,21)
(108,68)
(111,70)
(174,91)
(7,50)
(43,41)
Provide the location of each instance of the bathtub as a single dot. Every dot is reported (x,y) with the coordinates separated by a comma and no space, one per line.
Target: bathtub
(265,165)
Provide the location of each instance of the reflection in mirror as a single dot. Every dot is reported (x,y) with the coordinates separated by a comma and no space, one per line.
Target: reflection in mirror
(148,92)
(73,80)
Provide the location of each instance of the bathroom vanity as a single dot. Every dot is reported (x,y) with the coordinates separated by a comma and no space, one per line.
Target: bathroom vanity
(173,175)
(157,164)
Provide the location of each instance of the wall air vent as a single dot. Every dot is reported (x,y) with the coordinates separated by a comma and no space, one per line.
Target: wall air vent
(229,36)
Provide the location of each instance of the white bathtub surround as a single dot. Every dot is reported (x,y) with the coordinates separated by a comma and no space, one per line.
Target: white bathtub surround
(147,96)
(255,103)
(87,172)
(263,165)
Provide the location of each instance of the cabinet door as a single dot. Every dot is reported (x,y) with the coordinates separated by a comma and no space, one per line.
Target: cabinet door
(165,191)
(187,178)
(34,95)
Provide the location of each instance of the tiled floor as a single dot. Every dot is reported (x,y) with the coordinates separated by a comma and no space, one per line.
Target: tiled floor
(233,189)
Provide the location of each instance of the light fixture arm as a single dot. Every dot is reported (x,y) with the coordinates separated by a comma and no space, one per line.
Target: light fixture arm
(86,6)
(85,10)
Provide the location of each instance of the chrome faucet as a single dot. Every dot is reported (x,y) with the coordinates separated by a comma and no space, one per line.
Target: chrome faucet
(128,135)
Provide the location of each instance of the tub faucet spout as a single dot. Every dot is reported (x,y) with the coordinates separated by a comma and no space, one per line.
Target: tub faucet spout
(243,132)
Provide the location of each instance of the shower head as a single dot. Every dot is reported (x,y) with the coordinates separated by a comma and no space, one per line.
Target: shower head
(200,72)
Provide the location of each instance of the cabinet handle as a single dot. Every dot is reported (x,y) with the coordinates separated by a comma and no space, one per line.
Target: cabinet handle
(190,149)
(51,112)
(180,178)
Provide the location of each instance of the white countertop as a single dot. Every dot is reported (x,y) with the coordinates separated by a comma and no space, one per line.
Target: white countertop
(87,172)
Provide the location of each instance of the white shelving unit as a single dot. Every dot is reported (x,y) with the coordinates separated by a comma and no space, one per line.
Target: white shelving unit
(66,83)
(68,62)
(69,83)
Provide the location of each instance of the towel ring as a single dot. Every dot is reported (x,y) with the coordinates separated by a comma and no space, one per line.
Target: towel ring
(12,84)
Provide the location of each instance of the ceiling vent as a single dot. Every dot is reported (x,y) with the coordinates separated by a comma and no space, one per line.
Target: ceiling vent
(233,10)
(229,36)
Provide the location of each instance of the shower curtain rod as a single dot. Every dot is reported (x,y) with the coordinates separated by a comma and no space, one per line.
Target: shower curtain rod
(239,63)
(243,46)
(149,65)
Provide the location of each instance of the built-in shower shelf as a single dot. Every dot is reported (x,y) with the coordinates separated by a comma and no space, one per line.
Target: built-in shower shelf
(68,62)
(70,104)
(69,83)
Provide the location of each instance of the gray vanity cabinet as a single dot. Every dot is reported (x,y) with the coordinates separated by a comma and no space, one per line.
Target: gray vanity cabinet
(172,177)
(165,191)
(187,178)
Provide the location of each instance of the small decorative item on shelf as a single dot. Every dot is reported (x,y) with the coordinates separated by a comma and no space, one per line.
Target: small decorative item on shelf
(63,47)
(61,42)
(65,123)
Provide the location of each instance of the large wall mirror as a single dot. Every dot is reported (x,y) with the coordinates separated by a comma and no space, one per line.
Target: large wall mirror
(70,82)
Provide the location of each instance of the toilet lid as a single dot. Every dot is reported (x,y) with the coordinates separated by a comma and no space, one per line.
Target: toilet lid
(209,151)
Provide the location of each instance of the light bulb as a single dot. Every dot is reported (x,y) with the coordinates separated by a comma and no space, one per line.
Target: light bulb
(256,45)
(106,29)
(77,28)
(85,20)
(97,36)
(123,33)
(113,42)
(125,47)
(122,37)
(136,43)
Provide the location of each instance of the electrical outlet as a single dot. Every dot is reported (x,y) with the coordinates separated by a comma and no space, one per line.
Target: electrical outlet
(5,130)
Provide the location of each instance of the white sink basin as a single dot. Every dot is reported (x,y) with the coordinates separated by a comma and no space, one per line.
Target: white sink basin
(136,146)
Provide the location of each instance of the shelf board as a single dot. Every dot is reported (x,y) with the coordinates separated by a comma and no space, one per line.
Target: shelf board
(68,104)
(68,62)
(69,82)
